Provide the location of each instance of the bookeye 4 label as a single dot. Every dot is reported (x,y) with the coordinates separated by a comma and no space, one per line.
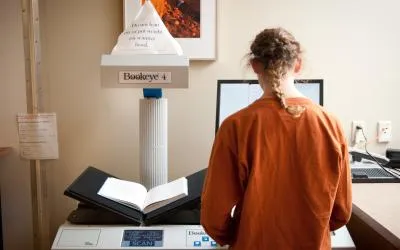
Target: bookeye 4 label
(126,77)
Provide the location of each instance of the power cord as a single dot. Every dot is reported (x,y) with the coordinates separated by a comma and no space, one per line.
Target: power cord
(366,150)
(396,170)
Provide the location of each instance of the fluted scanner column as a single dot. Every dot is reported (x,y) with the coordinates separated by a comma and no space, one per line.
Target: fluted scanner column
(153,128)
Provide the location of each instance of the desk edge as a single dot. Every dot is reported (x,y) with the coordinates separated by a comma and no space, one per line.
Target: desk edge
(379,228)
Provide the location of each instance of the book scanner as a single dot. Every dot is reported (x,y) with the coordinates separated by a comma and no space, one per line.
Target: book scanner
(101,223)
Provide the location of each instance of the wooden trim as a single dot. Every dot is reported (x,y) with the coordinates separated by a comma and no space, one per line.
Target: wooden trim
(368,234)
(32,50)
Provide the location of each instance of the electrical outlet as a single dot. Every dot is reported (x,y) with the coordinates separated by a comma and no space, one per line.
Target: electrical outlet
(357,135)
(384,131)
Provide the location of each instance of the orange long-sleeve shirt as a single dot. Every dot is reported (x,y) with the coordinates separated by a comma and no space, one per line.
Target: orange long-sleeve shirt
(288,177)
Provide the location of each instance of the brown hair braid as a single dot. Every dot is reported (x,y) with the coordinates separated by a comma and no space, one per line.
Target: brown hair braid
(278,51)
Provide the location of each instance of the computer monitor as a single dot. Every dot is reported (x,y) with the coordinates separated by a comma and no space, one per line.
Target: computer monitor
(233,95)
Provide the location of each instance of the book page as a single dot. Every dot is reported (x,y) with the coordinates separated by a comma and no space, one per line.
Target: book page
(168,192)
(125,192)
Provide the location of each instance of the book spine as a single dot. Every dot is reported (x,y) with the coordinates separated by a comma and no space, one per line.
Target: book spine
(153,142)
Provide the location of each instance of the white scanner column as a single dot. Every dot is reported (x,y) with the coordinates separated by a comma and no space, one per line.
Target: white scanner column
(153,146)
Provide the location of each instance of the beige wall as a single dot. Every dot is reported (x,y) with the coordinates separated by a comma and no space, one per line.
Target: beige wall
(353,45)
(14,173)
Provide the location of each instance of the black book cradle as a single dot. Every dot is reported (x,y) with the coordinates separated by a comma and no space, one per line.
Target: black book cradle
(95,209)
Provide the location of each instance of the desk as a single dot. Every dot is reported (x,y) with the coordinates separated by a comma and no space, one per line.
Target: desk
(375,222)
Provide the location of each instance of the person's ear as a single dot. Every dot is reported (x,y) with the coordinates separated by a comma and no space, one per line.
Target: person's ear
(298,65)
(257,66)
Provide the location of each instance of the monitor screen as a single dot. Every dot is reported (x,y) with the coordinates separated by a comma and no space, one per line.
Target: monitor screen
(233,95)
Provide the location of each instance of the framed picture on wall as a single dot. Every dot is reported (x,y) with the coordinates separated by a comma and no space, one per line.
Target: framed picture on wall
(191,22)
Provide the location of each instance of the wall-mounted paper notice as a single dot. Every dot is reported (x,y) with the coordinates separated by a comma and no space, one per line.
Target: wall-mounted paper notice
(38,136)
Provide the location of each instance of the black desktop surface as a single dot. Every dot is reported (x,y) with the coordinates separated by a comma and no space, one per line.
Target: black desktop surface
(86,186)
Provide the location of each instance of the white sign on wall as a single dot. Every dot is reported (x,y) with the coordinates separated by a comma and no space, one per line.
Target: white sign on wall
(38,138)
(126,77)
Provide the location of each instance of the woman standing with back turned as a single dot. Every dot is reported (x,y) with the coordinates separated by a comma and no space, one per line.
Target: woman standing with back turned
(282,162)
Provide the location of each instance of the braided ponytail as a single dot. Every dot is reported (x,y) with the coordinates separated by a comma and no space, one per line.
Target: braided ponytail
(277,50)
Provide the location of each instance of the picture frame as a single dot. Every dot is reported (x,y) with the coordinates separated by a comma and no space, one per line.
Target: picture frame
(202,47)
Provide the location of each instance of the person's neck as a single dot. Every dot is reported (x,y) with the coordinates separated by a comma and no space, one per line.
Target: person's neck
(286,86)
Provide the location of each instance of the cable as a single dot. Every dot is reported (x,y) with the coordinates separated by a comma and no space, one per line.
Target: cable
(366,150)
(396,170)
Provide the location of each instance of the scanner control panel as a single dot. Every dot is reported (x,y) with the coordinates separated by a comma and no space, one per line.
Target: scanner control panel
(170,237)
(199,238)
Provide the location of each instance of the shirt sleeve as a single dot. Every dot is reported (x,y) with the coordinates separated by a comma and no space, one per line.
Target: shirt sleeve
(222,189)
(341,212)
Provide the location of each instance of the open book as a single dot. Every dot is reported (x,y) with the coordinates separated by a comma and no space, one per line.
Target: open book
(135,195)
